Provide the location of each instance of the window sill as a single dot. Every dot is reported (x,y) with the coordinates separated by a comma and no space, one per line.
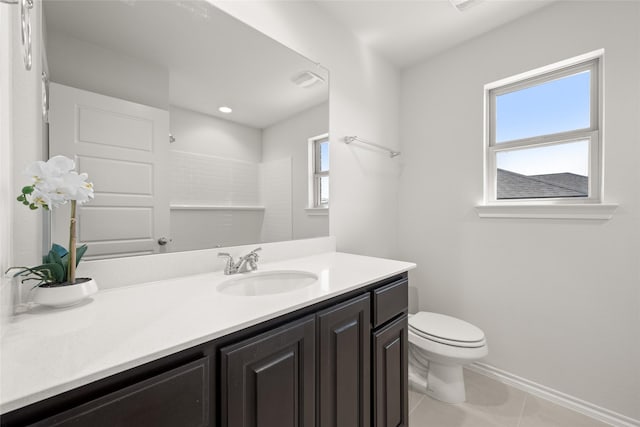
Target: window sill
(557,211)
(317,211)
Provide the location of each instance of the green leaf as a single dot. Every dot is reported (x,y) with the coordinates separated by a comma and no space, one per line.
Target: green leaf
(21,198)
(61,257)
(55,257)
(60,250)
(62,261)
(33,207)
(40,280)
(46,273)
(80,250)
(27,190)
(54,266)
(57,274)
(19,273)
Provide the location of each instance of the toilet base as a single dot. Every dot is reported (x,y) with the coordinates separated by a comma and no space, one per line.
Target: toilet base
(417,381)
(435,368)
(446,383)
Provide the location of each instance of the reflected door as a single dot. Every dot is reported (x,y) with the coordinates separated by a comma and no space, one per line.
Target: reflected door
(123,146)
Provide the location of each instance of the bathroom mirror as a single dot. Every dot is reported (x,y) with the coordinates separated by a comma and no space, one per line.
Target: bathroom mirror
(140,95)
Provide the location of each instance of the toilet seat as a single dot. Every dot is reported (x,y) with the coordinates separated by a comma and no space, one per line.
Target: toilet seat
(463,344)
(446,330)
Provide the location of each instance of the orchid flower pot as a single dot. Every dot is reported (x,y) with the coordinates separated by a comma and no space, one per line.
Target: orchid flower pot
(65,295)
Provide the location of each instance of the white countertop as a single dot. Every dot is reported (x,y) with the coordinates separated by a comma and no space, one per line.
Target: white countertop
(45,352)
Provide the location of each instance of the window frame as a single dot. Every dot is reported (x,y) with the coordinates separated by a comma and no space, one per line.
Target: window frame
(593,134)
(315,172)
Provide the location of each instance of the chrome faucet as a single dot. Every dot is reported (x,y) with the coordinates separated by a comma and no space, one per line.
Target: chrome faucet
(246,263)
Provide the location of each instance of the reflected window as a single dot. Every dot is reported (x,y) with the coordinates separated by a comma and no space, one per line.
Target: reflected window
(319,171)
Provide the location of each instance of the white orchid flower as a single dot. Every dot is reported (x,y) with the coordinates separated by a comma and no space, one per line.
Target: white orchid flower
(55,167)
(41,199)
(75,187)
(47,198)
(55,182)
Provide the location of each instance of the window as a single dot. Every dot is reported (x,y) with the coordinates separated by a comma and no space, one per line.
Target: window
(319,171)
(543,135)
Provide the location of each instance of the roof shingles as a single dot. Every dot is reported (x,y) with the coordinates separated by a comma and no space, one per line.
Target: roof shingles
(513,185)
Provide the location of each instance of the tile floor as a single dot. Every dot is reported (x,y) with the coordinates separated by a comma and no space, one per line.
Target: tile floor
(493,404)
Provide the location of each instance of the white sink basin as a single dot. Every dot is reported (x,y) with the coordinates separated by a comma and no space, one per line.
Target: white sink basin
(267,282)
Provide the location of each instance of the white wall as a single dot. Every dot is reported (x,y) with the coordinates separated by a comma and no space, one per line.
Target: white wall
(26,137)
(283,186)
(219,187)
(204,134)
(21,131)
(213,162)
(363,101)
(558,300)
(289,138)
(6,178)
(204,229)
(276,194)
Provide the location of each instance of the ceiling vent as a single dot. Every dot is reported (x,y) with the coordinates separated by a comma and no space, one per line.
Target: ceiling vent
(307,79)
(463,5)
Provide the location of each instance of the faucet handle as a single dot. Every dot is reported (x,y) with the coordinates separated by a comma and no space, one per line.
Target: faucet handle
(252,259)
(253,256)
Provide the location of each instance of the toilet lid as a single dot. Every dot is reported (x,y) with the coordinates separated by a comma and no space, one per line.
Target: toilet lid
(446,329)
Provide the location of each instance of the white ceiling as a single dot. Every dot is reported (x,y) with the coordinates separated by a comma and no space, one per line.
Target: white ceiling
(408,31)
(212,59)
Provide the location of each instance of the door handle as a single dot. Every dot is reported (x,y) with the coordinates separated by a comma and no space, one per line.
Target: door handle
(164,240)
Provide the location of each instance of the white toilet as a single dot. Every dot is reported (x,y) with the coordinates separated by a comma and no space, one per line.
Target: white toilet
(439,346)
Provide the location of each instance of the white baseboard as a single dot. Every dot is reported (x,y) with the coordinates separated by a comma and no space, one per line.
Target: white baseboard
(555,396)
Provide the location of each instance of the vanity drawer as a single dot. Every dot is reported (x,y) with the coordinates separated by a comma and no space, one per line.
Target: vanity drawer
(179,397)
(389,301)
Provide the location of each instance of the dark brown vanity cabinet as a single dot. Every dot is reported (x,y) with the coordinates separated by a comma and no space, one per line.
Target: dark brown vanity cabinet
(359,368)
(269,380)
(362,366)
(344,391)
(178,397)
(389,355)
(338,363)
(390,375)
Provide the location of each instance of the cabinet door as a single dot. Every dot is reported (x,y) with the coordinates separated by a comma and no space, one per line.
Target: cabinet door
(344,365)
(179,397)
(390,372)
(269,380)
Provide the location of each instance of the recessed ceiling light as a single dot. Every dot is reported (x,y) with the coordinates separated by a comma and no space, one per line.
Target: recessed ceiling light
(225,110)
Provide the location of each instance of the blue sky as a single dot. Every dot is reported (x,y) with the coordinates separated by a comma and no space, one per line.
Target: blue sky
(324,156)
(555,106)
(571,157)
(324,165)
